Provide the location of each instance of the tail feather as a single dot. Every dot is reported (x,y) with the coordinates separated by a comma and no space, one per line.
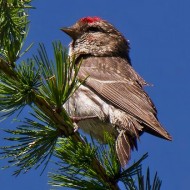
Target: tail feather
(124,144)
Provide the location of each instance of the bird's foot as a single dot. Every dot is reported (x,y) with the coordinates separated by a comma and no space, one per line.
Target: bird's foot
(77,119)
(76,127)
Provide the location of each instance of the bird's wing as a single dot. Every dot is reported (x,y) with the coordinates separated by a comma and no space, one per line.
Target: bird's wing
(113,79)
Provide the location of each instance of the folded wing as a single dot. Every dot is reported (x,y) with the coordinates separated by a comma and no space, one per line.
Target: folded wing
(115,81)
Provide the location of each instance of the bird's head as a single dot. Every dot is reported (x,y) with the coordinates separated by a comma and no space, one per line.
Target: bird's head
(95,36)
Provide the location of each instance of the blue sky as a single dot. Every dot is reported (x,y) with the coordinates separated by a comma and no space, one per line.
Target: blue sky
(158,31)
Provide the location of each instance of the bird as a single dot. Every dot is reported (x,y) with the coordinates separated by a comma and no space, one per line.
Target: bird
(112,97)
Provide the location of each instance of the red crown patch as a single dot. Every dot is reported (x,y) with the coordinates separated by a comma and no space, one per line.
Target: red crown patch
(90,19)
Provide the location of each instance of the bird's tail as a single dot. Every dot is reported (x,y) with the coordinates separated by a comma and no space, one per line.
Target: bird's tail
(124,144)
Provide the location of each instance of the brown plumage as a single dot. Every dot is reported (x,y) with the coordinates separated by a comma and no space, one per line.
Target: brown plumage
(113,91)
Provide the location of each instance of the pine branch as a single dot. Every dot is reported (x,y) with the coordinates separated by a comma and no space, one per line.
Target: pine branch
(75,168)
(77,165)
(7,69)
(13,28)
(34,143)
(53,109)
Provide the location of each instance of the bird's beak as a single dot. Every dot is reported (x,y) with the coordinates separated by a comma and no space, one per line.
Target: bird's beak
(70,31)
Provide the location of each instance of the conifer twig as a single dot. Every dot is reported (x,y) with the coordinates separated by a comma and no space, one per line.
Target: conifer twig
(66,131)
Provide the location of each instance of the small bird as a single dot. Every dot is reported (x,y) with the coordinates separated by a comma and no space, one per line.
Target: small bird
(112,98)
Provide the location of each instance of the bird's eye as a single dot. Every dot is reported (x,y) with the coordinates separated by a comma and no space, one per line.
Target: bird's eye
(93,29)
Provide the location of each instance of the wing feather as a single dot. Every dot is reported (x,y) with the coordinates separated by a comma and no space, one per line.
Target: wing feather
(116,82)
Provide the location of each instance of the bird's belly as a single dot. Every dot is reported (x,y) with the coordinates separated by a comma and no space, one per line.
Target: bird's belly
(85,103)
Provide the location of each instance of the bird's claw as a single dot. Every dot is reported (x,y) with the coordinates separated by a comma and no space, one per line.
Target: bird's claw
(76,127)
(77,119)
